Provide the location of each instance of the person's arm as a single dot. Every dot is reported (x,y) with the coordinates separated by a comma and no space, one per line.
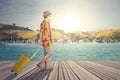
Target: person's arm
(51,36)
(41,31)
(40,37)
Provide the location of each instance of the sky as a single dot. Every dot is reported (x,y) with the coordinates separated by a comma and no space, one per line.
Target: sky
(69,15)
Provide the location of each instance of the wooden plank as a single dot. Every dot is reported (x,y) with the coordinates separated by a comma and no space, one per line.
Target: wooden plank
(60,71)
(48,71)
(28,68)
(43,74)
(96,70)
(69,72)
(54,74)
(112,72)
(117,62)
(72,72)
(78,72)
(64,70)
(5,62)
(31,74)
(107,68)
(35,74)
(91,76)
(6,65)
(92,70)
(65,73)
(27,75)
(110,64)
(9,75)
(5,72)
(6,69)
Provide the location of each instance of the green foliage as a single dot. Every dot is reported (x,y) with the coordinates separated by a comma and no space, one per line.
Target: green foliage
(74,36)
(109,34)
(57,34)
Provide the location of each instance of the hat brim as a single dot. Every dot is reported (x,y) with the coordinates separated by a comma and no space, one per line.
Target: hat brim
(47,14)
(50,13)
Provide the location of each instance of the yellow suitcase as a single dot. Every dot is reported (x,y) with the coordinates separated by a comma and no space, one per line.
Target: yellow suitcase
(22,62)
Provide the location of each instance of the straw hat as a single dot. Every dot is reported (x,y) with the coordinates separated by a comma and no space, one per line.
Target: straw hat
(46,13)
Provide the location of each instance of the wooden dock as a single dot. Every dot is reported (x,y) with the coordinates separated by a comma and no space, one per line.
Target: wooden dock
(64,70)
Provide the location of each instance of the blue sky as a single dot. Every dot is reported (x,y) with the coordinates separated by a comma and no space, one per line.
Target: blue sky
(90,14)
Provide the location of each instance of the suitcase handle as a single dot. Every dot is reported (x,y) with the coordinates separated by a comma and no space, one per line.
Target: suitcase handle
(35,53)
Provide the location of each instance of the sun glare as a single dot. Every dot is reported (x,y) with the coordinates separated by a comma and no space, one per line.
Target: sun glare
(69,23)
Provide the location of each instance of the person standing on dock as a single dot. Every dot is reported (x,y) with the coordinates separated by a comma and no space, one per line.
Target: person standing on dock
(45,38)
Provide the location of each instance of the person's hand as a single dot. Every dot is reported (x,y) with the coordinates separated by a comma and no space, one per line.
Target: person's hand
(51,41)
(40,41)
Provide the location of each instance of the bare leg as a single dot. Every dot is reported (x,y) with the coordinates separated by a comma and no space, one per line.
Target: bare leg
(45,59)
(46,63)
(47,54)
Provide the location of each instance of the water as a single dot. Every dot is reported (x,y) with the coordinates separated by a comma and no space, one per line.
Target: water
(83,51)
